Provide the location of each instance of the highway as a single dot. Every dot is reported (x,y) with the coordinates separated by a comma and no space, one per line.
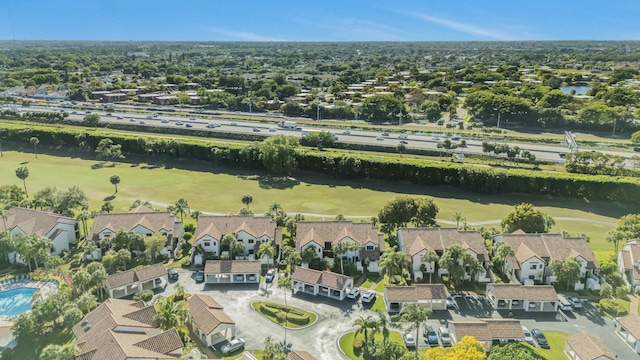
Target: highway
(195,121)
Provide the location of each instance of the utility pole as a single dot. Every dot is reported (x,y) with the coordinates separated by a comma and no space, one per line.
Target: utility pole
(249,108)
(400,117)
(318,111)
(498,126)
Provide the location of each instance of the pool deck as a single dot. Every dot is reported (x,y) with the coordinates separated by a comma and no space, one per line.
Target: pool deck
(43,286)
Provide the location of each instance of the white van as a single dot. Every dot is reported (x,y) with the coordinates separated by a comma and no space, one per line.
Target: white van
(565,304)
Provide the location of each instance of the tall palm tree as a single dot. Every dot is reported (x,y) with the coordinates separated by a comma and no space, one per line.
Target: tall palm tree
(274,209)
(415,315)
(291,258)
(6,243)
(35,141)
(83,216)
(195,214)
(342,247)
(383,325)
(235,246)
(392,263)
(267,249)
(23,173)
(308,254)
(365,325)
(4,213)
(285,284)
(247,199)
(430,258)
(98,275)
(115,180)
(181,207)
(458,217)
(501,252)
(171,313)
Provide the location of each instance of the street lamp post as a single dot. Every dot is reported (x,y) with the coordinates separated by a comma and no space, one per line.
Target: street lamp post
(400,119)
(498,125)
(250,109)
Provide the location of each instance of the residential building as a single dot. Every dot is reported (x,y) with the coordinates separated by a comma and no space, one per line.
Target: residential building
(208,320)
(250,230)
(628,328)
(123,330)
(629,264)
(61,230)
(140,220)
(325,283)
(322,236)
(415,242)
(129,282)
(232,271)
(431,296)
(487,331)
(534,252)
(584,347)
(530,298)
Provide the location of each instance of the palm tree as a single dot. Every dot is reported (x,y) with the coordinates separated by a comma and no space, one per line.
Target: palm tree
(291,258)
(392,263)
(274,209)
(83,217)
(285,284)
(81,281)
(35,141)
(4,213)
(180,290)
(115,180)
(235,246)
(170,313)
(308,254)
(616,236)
(181,207)
(247,199)
(415,315)
(364,326)
(267,249)
(342,247)
(6,243)
(501,252)
(458,217)
(383,325)
(107,207)
(430,258)
(23,173)
(98,275)
(195,214)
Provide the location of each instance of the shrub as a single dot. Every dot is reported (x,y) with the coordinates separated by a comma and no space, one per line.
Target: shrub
(145,295)
(281,317)
(612,307)
(186,264)
(358,342)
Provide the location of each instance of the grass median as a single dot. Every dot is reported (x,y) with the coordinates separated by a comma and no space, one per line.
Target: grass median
(295,317)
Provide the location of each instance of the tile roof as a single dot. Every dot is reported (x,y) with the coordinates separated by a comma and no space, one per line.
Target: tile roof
(256,226)
(33,222)
(152,220)
(415,240)
(550,246)
(135,275)
(323,278)
(478,329)
(588,347)
(300,355)
(415,293)
(631,322)
(117,312)
(332,232)
(206,313)
(232,267)
(529,292)
(505,328)
(488,329)
(635,250)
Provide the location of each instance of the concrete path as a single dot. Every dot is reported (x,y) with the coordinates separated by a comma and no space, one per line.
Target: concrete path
(634,304)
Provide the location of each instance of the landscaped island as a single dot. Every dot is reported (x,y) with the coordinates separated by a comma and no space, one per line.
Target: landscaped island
(288,316)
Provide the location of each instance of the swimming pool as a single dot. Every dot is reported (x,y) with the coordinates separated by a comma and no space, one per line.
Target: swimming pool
(16,301)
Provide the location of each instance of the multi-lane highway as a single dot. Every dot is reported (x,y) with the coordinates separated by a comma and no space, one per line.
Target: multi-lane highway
(195,121)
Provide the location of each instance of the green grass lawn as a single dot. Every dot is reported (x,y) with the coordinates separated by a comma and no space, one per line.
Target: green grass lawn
(379,304)
(370,280)
(556,341)
(312,316)
(346,342)
(626,305)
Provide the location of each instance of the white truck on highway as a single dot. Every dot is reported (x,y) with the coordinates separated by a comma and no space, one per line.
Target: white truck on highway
(287,124)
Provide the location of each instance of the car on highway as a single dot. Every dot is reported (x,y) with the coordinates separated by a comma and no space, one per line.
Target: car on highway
(179,123)
(385,134)
(409,340)
(404,142)
(430,336)
(142,122)
(189,125)
(173,274)
(353,293)
(107,114)
(232,346)
(540,338)
(119,118)
(455,137)
(88,112)
(562,155)
(368,296)
(132,120)
(199,276)
(346,132)
(73,112)
(270,275)
(164,121)
(192,118)
(255,129)
(575,302)
(379,138)
(527,336)
(272,129)
(444,336)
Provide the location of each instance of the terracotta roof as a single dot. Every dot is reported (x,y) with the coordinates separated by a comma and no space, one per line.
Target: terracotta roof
(332,232)
(324,278)
(117,312)
(529,292)
(165,342)
(438,239)
(631,322)
(300,355)
(135,275)
(152,220)
(218,226)
(488,329)
(588,347)
(206,313)
(550,246)
(635,250)
(33,222)
(524,253)
(415,293)
(232,266)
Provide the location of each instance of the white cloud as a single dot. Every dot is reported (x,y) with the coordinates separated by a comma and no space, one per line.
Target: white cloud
(466,28)
(242,35)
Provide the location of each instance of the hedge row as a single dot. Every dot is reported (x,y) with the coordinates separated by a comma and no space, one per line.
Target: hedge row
(464,176)
(279,311)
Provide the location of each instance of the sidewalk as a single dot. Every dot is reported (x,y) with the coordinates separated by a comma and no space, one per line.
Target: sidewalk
(634,304)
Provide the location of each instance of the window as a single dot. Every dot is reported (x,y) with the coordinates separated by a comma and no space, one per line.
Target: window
(207,243)
(533,266)
(149,234)
(370,247)
(250,251)
(250,241)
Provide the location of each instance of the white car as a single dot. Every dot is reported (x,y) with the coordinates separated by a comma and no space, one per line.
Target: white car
(527,336)
(272,129)
(368,296)
(577,304)
(232,346)
(164,121)
(379,138)
(346,132)
(409,340)
(353,293)
(178,123)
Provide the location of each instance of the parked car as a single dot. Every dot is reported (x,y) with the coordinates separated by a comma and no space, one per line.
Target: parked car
(451,304)
(540,338)
(409,340)
(199,276)
(173,274)
(252,277)
(527,336)
(270,275)
(353,293)
(444,336)
(368,296)
(577,304)
(232,346)
(430,335)
(239,277)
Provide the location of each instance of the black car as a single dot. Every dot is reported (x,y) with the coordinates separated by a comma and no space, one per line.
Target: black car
(199,276)
(540,338)
(173,274)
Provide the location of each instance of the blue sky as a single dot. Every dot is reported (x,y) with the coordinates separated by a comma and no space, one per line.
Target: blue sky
(328,20)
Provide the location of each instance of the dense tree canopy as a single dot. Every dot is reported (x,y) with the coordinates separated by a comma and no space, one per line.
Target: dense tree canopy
(528,219)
